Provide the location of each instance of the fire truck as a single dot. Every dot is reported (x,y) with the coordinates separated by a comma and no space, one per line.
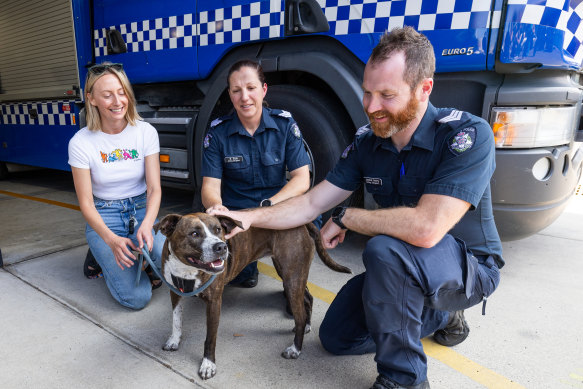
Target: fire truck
(516,63)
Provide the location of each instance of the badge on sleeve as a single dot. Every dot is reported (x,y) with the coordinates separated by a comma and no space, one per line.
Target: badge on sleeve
(347,150)
(207,140)
(462,141)
(296,131)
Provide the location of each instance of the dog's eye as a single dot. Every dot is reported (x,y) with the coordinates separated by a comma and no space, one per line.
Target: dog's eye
(217,230)
(195,233)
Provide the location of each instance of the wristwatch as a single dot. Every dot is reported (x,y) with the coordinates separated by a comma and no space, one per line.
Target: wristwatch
(337,215)
(265,203)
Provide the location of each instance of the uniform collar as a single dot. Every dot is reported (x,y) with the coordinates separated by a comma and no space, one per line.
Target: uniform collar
(235,126)
(423,137)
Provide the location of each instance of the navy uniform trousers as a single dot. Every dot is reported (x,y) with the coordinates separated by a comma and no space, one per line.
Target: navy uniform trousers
(405,294)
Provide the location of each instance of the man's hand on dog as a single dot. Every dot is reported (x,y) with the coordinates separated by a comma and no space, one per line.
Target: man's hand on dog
(242,217)
(217,207)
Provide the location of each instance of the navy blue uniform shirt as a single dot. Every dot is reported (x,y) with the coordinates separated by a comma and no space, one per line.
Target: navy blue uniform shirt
(252,168)
(451,153)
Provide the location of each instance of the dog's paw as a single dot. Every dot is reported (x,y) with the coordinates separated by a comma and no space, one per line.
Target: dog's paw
(207,369)
(171,344)
(291,352)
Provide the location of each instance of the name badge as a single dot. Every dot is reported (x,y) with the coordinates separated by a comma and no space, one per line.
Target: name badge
(373,181)
(238,158)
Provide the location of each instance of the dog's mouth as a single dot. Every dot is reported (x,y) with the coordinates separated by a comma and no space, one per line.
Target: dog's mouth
(213,267)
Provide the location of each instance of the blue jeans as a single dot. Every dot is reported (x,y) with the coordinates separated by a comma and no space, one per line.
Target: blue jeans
(121,283)
(405,294)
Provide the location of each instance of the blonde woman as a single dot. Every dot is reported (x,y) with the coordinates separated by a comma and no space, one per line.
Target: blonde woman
(116,171)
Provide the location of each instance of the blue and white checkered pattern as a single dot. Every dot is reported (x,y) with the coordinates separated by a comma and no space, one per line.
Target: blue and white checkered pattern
(51,113)
(265,19)
(156,34)
(565,15)
(367,16)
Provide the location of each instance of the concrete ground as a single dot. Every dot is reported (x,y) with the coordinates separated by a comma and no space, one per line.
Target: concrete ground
(61,330)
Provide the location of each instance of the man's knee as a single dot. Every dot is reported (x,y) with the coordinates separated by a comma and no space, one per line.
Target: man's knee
(329,337)
(383,250)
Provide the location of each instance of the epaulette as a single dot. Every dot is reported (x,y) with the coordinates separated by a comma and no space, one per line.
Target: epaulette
(362,130)
(282,113)
(216,122)
(446,117)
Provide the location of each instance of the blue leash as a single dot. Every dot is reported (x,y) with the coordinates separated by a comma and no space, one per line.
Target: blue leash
(145,254)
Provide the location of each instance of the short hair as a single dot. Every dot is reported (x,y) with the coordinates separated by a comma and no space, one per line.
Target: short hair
(246,63)
(92,113)
(419,55)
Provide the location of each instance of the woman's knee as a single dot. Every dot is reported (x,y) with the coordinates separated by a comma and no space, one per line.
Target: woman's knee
(135,299)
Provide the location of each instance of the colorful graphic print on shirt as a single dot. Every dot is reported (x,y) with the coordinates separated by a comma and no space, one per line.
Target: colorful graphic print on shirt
(119,155)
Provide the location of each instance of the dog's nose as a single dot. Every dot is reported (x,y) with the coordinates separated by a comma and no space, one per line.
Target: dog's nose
(220,248)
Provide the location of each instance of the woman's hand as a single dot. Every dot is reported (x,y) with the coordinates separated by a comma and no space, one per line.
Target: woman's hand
(144,235)
(119,247)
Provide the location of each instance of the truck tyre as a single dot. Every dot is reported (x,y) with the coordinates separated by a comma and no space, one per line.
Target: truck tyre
(326,128)
(3,171)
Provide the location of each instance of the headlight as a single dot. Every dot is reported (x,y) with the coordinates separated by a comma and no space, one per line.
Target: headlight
(532,127)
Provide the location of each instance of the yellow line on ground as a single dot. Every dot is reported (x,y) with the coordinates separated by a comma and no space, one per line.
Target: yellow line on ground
(41,200)
(446,355)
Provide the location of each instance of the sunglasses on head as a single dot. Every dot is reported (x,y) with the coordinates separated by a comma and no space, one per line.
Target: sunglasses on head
(100,68)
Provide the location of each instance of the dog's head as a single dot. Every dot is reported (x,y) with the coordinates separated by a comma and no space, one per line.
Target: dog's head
(198,239)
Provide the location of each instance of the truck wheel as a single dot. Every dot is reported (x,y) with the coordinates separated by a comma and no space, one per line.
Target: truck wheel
(3,171)
(326,128)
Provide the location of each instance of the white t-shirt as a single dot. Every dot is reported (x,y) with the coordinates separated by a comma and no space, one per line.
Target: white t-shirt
(116,162)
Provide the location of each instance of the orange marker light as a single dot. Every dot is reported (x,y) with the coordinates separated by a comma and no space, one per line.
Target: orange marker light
(164,158)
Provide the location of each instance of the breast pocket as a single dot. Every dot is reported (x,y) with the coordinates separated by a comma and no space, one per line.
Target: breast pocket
(273,167)
(238,168)
(380,188)
(410,189)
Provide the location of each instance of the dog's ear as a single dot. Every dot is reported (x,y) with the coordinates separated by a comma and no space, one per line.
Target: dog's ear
(168,224)
(228,224)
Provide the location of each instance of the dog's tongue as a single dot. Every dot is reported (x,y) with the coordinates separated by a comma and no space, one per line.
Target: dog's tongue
(217,263)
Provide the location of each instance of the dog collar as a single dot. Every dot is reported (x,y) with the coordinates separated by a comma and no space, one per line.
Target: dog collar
(182,284)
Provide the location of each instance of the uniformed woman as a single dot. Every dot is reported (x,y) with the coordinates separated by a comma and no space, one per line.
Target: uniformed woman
(247,152)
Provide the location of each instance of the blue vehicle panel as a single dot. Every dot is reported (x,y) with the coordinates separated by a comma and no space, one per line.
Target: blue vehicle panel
(460,29)
(33,121)
(161,38)
(540,32)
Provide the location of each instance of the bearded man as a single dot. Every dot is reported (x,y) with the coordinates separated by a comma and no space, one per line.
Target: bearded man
(434,249)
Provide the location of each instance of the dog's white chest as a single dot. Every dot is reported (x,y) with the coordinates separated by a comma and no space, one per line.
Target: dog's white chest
(173,266)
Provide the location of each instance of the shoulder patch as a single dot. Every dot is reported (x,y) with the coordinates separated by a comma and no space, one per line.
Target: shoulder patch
(296,130)
(453,115)
(347,150)
(216,122)
(284,114)
(462,141)
(362,130)
(207,140)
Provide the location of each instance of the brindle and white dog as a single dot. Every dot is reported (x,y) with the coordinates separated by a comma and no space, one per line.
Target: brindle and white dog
(195,249)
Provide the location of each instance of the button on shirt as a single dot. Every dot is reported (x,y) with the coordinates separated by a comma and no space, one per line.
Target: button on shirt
(252,168)
(451,153)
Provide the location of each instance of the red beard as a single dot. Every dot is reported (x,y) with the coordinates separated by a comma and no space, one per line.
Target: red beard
(396,122)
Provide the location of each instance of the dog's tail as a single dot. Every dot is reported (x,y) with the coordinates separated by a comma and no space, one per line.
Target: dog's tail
(322,253)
